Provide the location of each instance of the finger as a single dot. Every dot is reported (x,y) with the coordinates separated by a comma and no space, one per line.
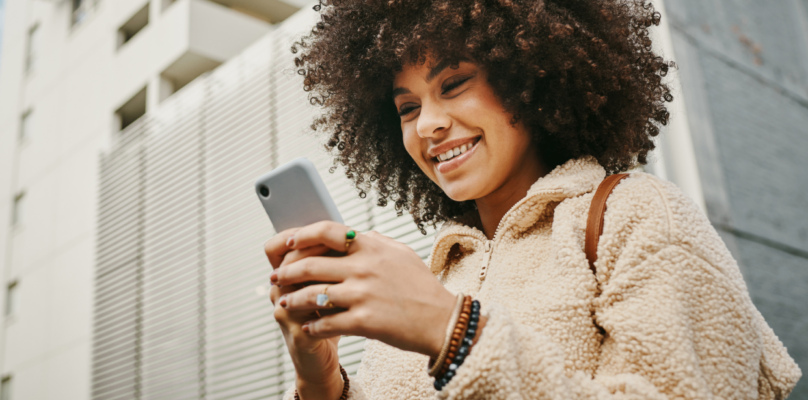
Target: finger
(274,294)
(276,291)
(344,323)
(327,233)
(306,298)
(297,255)
(276,247)
(322,269)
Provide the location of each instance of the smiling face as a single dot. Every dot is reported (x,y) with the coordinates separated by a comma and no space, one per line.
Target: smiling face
(459,134)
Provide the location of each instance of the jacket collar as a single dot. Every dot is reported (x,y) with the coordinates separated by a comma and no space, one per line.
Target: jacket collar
(571,179)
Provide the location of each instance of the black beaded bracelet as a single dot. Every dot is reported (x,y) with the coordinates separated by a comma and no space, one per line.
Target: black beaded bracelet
(465,348)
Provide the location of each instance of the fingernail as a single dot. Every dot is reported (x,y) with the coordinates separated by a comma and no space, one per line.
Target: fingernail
(273,277)
(305,327)
(282,301)
(290,242)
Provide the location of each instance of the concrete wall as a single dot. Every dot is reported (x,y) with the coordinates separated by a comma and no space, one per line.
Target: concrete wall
(744,72)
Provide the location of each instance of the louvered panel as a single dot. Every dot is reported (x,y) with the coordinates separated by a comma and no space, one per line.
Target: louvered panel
(173,283)
(350,352)
(242,334)
(114,316)
(116,322)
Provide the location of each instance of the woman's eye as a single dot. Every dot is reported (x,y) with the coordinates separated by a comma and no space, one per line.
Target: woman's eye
(406,110)
(449,86)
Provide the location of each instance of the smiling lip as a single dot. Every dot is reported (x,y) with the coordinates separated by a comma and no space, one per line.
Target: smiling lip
(445,167)
(436,151)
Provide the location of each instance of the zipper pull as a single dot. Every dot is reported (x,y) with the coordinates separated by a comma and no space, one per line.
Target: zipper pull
(486,259)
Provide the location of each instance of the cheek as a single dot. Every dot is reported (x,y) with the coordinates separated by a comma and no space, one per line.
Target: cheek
(410,142)
(413,143)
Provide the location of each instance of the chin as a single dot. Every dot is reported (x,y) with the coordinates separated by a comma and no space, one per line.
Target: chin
(460,191)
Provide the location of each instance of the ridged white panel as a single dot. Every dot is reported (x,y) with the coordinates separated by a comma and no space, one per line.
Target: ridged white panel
(174,251)
(244,349)
(116,353)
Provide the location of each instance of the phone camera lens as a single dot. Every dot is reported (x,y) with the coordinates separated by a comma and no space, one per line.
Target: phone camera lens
(264,191)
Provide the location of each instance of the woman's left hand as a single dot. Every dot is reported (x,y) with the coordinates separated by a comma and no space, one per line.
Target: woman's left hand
(389,293)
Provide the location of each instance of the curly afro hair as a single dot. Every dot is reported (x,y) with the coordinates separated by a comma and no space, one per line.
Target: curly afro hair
(580,74)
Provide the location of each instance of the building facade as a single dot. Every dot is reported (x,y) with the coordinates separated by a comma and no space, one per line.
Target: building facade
(131,133)
(73,75)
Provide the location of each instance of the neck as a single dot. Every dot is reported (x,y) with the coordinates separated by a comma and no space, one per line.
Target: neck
(494,206)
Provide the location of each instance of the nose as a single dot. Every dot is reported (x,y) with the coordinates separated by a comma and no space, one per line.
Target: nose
(432,120)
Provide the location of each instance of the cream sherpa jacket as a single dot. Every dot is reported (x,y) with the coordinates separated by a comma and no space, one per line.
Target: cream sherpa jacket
(676,313)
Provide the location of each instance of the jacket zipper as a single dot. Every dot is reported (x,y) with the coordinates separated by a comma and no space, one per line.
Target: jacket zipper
(489,244)
(486,259)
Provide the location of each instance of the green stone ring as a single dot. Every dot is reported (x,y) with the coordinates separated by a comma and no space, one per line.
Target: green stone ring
(350,236)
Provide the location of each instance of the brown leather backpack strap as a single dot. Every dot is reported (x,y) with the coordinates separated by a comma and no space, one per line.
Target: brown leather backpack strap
(594,223)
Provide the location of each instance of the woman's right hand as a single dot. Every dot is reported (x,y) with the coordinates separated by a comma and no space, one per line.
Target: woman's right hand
(316,360)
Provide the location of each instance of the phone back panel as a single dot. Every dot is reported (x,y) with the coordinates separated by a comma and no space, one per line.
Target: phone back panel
(296,196)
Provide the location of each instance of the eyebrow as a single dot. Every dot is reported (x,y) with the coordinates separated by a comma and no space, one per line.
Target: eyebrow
(435,71)
(399,91)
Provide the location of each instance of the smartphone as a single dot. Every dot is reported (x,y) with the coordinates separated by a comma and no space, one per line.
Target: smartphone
(294,195)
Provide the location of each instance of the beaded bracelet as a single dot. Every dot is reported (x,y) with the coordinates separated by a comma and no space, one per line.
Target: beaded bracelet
(434,366)
(457,335)
(345,387)
(464,350)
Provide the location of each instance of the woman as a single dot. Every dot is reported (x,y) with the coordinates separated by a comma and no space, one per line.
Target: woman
(499,119)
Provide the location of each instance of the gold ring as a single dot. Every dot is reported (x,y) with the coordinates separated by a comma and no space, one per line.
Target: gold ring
(350,236)
(323,300)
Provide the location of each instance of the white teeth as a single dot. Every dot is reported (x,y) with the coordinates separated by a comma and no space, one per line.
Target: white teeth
(448,155)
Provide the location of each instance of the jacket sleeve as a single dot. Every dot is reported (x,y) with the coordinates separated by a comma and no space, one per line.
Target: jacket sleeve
(678,319)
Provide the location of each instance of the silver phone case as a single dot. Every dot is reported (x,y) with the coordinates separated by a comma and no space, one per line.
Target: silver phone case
(297,196)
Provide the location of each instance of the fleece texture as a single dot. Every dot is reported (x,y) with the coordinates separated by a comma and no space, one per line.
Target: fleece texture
(668,315)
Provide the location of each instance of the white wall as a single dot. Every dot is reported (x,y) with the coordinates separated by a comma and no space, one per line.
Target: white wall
(2,7)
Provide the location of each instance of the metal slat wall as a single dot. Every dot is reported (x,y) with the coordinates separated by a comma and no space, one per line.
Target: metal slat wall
(181,280)
(244,345)
(174,251)
(119,273)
